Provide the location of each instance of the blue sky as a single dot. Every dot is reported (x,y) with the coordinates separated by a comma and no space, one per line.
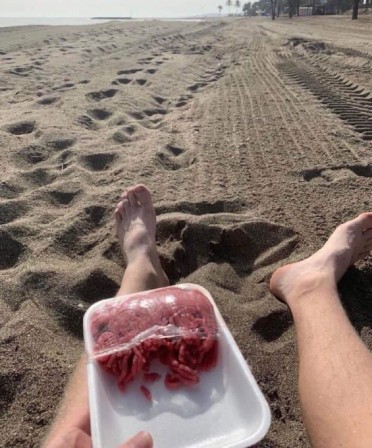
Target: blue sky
(89,8)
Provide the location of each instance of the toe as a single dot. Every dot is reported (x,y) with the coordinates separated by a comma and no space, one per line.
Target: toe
(365,219)
(117,216)
(143,195)
(125,203)
(367,235)
(119,210)
(132,198)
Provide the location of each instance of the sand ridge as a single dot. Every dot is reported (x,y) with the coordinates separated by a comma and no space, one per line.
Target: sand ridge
(255,139)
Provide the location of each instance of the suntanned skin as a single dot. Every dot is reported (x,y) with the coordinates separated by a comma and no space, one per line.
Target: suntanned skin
(135,225)
(335,374)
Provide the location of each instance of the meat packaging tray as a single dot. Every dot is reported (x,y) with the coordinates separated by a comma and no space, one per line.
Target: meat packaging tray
(222,408)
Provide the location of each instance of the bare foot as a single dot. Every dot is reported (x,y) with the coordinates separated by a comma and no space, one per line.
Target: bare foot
(136,228)
(349,243)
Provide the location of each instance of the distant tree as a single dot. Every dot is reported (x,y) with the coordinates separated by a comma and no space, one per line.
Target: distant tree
(355,9)
(273,9)
(237,6)
(313,8)
(220,9)
(279,8)
(298,4)
(253,9)
(229,4)
(247,9)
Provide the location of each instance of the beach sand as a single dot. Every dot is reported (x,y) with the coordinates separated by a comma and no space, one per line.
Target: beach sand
(255,138)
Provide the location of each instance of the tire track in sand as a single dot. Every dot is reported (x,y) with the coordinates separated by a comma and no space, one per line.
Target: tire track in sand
(334,151)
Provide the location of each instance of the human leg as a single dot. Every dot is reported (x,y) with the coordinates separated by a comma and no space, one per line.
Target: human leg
(335,367)
(135,225)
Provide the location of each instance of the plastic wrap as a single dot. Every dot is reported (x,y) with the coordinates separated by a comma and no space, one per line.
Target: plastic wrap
(177,326)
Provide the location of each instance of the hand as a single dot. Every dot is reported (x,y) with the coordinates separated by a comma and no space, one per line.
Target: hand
(76,438)
(140,440)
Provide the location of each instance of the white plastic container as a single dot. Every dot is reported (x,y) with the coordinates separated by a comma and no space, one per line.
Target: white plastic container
(225,410)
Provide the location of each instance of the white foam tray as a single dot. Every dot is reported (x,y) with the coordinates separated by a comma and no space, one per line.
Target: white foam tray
(225,410)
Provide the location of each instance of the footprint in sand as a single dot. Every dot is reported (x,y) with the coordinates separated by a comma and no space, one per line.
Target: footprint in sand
(130,129)
(220,237)
(141,82)
(11,383)
(100,114)
(12,210)
(61,197)
(196,86)
(125,134)
(145,61)
(47,101)
(173,158)
(129,71)
(121,137)
(87,122)
(21,71)
(99,162)
(154,111)
(96,286)
(80,235)
(66,86)
(21,127)
(159,99)
(102,94)
(121,81)
(38,177)
(33,154)
(334,174)
(12,250)
(10,188)
(59,143)
(183,100)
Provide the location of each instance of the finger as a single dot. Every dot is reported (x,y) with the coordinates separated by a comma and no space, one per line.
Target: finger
(140,440)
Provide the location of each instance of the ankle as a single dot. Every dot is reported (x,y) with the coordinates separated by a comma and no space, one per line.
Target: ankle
(310,285)
(141,254)
(146,266)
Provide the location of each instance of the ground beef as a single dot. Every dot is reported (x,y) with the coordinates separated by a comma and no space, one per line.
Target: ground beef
(177,326)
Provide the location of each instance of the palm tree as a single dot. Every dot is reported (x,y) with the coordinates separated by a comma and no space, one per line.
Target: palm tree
(229,4)
(220,9)
(237,6)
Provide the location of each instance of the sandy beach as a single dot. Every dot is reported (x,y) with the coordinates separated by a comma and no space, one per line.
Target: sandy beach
(255,139)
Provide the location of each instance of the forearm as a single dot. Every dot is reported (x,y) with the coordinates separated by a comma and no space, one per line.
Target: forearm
(335,373)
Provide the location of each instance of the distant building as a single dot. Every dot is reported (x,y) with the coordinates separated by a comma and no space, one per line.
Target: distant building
(306,11)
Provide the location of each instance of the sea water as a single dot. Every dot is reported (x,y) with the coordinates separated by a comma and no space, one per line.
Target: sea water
(24,21)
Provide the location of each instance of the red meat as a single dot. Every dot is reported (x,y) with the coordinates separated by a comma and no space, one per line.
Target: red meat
(151,377)
(146,393)
(175,325)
